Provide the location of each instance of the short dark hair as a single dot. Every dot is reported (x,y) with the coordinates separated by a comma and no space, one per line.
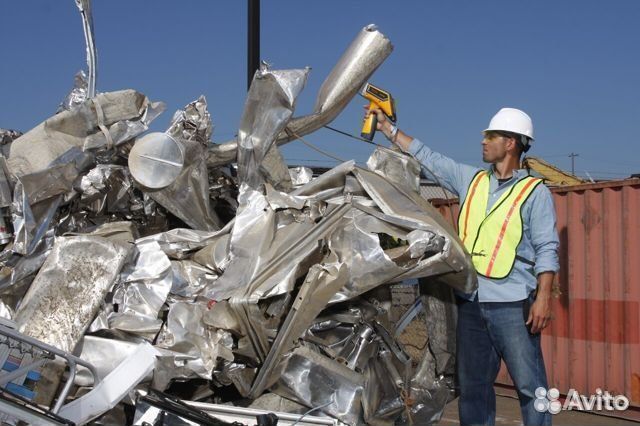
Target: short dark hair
(521,140)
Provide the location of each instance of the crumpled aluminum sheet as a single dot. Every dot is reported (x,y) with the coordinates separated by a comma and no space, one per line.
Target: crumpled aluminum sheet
(124,113)
(430,402)
(256,268)
(196,345)
(282,257)
(188,196)
(189,278)
(220,315)
(256,243)
(328,184)
(77,95)
(5,311)
(69,288)
(5,190)
(178,243)
(274,169)
(142,291)
(281,200)
(421,242)
(125,130)
(106,394)
(352,237)
(55,180)
(37,197)
(7,136)
(300,175)
(215,255)
(315,380)
(193,123)
(123,231)
(104,354)
(412,208)
(18,271)
(401,169)
(252,234)
(228,303)
(290,255)
(30,223)
(269,106)
(382,395)
(360,249)
(364,55)
(318,288)
(107,189)
(120,133)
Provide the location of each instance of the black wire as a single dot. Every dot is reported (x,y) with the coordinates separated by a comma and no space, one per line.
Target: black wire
(351,136)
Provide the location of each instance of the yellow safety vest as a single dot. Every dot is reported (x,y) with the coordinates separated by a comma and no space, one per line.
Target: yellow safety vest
(493,237)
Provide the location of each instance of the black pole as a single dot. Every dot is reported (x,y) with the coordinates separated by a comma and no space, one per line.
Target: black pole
(253,39)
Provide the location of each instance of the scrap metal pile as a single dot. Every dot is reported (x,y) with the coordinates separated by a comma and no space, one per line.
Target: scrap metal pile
(150,258)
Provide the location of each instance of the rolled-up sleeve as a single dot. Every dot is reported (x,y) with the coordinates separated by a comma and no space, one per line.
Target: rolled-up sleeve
(443,170)
(544,234)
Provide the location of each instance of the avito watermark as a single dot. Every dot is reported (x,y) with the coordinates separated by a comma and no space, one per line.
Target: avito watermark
(548,400)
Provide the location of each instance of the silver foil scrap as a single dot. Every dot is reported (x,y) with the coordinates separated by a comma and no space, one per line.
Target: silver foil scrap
(150,258)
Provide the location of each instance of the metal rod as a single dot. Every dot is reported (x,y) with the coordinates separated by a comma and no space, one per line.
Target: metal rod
(72,360)
(67,387)
(253,39)
(92,58)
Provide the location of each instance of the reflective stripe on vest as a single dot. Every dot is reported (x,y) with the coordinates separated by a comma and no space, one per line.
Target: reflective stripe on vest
(493,237)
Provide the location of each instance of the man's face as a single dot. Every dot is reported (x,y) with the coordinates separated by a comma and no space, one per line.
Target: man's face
(494,147)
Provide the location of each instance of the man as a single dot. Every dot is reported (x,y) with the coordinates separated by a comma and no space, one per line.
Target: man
(507,223)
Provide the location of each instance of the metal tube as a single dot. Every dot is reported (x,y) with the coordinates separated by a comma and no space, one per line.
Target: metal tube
(253,39)
(72,360)
(67,387)
(92,58)
(363,56)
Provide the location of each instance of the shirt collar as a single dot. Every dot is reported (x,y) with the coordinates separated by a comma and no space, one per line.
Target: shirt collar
(517,173)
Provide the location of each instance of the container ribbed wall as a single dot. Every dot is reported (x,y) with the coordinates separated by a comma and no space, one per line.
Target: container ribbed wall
(594,339)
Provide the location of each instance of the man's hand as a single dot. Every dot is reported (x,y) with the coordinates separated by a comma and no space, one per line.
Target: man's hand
(385,126)
(540,312)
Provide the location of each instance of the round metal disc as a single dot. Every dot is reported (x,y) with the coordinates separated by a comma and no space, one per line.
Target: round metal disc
(156,160)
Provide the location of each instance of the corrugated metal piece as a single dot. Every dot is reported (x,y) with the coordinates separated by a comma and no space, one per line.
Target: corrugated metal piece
(594,339)
(432,191)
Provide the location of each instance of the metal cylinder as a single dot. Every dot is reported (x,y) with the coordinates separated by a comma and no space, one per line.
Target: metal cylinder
(363,56)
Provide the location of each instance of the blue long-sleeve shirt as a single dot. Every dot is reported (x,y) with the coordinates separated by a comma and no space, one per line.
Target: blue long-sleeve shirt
(539,241)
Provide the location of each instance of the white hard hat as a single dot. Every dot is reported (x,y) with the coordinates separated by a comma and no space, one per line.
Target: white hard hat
(512,120)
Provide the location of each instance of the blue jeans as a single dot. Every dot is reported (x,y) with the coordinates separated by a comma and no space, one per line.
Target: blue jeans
(487,333)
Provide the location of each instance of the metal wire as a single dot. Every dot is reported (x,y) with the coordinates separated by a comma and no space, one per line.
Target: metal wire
(312,146)
(342,132)
(312,410)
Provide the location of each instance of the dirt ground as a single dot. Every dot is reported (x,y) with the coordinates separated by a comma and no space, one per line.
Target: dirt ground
(508,414)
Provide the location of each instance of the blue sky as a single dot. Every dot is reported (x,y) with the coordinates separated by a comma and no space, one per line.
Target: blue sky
(573,65)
